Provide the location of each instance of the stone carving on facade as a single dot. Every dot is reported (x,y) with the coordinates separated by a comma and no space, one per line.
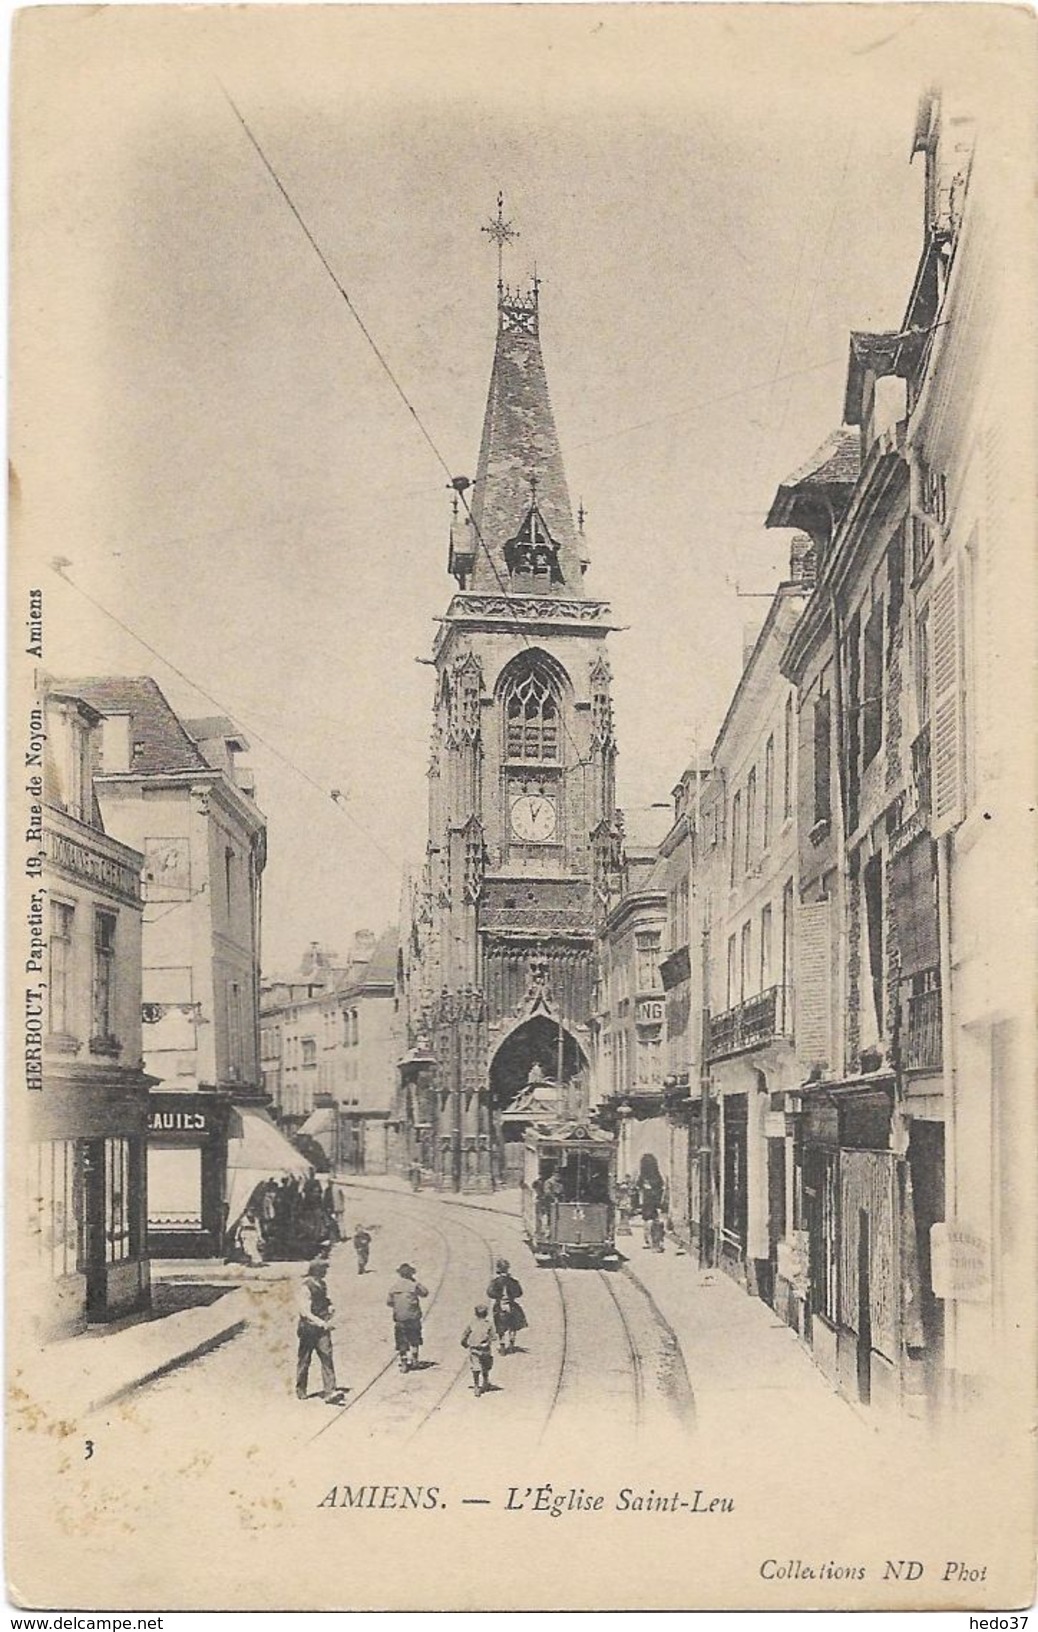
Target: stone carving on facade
(475,860)
(539,994)
(467,694)
(526,607)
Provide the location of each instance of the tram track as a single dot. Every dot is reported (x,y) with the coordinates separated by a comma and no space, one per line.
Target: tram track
(390,1365)
(622,1355)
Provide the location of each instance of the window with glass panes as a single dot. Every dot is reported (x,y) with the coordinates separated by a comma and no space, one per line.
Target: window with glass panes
(59,990)
(104,974)
(118,1217)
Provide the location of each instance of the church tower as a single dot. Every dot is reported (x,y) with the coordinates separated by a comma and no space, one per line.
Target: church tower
(521,792)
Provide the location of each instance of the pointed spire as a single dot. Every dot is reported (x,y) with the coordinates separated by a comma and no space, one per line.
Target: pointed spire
(520,492)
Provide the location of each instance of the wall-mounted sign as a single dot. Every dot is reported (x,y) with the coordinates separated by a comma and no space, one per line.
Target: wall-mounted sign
(650,1011)
(960,1263)
(163,1123)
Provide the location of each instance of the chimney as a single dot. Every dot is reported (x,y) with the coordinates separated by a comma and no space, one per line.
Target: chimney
(803,561)
(115,742)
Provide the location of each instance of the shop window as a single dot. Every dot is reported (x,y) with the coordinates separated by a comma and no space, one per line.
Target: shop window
(59,990)
(175,1187)
(104,976)
(118,1212)
(55,1206)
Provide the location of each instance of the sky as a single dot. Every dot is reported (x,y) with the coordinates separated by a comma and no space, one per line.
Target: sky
(712,196)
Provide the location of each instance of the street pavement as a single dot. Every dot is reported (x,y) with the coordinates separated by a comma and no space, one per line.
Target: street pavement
(740,1361)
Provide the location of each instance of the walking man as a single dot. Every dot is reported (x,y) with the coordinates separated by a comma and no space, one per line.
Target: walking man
(404,1300)
(314,1330)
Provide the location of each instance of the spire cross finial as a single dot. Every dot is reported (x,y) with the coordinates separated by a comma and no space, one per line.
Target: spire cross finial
(581,516)
(500,232)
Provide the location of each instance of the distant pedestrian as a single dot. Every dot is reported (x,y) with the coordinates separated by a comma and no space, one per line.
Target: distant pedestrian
(362,1247)
(478,1338)
(250,1239)
(504,1293)
(414,1174)
(404,1300)
(314,1330)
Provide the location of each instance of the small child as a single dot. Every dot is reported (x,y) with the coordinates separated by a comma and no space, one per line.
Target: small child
(362,1247)
(478,1338)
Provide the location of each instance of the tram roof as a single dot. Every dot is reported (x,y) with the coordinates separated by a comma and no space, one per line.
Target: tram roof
(568,1133)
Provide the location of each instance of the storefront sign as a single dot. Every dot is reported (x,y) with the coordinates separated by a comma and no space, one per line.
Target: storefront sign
(650,1012)
(91,866)
(174,1122)
(774,1125)
(960,1263)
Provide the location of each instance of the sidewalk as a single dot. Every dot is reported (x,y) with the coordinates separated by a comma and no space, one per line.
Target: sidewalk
(197,1305)
(744,1363)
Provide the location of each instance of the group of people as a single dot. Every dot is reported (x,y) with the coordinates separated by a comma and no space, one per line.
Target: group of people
(498,1320)
(645,1196)
(291,1217)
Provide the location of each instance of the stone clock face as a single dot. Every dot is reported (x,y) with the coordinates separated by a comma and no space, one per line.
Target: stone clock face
(534,818)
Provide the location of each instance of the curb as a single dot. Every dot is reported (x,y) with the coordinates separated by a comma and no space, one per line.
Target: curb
(206,1346)
(355,1183)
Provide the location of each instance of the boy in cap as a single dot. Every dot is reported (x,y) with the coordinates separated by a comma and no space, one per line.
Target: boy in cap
(362,1247)
(478,1338)
(403,1299)
(314,1330)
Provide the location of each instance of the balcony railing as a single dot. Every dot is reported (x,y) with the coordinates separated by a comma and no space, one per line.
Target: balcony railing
(750,1024)
(921,1021)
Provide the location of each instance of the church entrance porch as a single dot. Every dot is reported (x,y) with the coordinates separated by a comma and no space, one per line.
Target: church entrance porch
(537,1075)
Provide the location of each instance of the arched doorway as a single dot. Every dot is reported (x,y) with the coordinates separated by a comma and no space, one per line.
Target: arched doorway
(532,1079)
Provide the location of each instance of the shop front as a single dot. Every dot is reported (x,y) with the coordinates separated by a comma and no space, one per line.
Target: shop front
(86,1176)
(187,1167)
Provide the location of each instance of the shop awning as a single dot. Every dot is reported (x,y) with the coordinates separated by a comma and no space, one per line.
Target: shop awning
(320,1121)
(256,1150)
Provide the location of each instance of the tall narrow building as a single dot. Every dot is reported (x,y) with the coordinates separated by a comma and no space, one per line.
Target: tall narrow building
(521,797)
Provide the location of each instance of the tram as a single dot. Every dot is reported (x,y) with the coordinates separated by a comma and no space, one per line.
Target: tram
(569,1194)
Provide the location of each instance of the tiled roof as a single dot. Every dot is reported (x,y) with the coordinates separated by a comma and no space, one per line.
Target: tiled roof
(380,968)
(837,463)
(158,739)
(215,727)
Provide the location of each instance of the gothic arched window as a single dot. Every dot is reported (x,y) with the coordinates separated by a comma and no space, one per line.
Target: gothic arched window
(532,717)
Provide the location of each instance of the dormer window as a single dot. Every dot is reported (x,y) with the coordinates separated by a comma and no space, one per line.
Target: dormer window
(532,556)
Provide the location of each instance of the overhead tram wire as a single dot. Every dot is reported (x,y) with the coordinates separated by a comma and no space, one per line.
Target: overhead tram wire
(581,761)
(297,770)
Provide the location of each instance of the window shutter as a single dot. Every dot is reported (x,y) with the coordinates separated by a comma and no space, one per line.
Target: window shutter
(946,703)
(813,977)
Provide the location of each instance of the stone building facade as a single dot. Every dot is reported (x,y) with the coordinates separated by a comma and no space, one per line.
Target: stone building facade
(86,1105)
(521,791)
(174,790)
